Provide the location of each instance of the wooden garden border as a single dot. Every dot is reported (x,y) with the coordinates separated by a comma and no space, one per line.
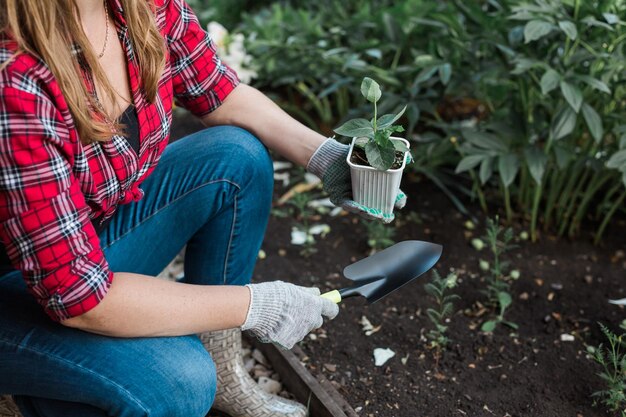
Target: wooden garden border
(322,398)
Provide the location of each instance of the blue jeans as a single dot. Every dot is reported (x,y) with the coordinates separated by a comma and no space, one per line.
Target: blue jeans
(210,191)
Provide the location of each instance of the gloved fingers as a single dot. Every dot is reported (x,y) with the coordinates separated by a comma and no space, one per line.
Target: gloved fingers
(311,290)
(329,309)
(318,323)
(367,212)
(400,200)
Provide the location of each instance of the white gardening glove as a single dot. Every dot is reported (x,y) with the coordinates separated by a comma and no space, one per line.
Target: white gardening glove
(329,164)
(284,313)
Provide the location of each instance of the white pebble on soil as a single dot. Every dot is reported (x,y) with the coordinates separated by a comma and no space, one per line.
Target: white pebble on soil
(269,385)
(381,356)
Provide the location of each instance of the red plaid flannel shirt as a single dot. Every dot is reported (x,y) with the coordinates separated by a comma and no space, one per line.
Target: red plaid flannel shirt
(51,185)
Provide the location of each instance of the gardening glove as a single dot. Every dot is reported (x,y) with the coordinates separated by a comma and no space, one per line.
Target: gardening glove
(284,313)
(329,164)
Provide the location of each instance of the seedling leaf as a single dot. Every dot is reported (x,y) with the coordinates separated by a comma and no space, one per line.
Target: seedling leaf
(370,90)
(356,128)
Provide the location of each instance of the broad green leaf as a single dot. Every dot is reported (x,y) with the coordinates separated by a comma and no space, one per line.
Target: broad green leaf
(617,160)
(488,326)
(356,128)
(469,162)
(445,72)
(370,90)
(572,94)
(549,81)
(594,83)
(486,170)
(504,298)
(536,29)
(569,29)
(389,119)
(536,161)
(563,123)
(400,146)
(380,157)
(611,18)
(484,140)
(563,155)
(508,167)
(594,122)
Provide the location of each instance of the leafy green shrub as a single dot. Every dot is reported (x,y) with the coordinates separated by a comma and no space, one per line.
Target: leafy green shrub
(556,92)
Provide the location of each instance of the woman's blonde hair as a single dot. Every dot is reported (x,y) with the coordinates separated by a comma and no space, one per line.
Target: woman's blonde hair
(48,29)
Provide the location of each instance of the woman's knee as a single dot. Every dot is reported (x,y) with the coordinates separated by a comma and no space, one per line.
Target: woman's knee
(247,154)
(189,390)
(179,381)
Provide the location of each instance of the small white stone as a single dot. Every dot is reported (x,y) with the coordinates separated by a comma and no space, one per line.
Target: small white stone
(258,356)
(269,385)
(381,356)
(298,237)
(565,337)
(249,364)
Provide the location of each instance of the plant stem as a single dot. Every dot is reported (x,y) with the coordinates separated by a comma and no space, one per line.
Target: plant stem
(595,184)
(572,202)
(507,204)
(535,210)
(608,217)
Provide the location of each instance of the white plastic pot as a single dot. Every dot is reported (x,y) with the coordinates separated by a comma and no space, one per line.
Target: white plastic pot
(373,188)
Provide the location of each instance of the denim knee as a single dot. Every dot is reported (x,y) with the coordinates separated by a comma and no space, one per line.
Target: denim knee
(249,155)
(195,382)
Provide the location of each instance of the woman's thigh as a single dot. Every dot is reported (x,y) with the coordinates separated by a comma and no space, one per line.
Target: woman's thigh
(210,191)
(40,359)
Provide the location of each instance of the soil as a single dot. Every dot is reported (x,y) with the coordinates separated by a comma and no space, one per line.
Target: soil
(358,157)
(563,290)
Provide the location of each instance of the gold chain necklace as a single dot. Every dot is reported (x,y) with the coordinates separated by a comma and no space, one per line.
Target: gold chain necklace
(106,35)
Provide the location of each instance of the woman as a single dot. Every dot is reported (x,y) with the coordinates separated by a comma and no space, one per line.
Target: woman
(93,206)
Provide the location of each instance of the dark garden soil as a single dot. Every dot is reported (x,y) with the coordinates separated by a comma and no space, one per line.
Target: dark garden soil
(563,289)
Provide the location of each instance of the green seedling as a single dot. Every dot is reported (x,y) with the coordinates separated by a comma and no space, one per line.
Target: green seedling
(379,149)
(440,291)
(379,235)
(612,358)
(498,283)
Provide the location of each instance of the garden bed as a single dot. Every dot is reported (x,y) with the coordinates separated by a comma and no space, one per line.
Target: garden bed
(536,371)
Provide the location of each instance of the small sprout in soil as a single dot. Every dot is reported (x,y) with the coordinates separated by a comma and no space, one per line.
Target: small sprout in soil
(478,244)
(299,208)
(483,265)
(612,358)
(498,283)
(379,150)
(515,274)
(439,290)
(379,235)
(469,225)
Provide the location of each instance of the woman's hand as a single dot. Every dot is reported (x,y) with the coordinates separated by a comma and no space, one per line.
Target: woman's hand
(329,164)
(284,313)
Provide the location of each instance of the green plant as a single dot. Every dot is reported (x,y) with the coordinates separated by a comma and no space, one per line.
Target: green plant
(379,235)
(554,84)
(613,362)
(498,285)
(302,213)
(440,290)
(380,150)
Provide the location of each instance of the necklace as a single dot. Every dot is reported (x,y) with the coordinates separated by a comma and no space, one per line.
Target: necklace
(106,35)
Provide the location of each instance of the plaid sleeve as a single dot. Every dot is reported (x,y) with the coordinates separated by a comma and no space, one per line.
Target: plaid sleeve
(44,219)
(200,79)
